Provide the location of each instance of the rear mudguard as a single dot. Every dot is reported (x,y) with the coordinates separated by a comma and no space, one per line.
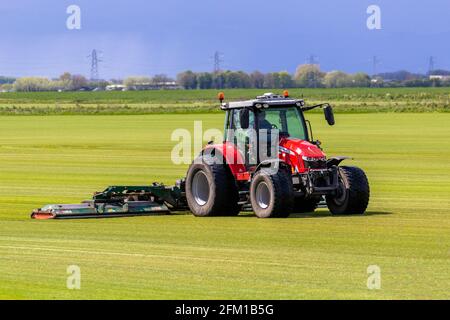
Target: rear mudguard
(228,153)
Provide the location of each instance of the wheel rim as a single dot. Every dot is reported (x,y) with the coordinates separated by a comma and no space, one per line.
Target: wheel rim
(200,188)
(341,193)
(263,195)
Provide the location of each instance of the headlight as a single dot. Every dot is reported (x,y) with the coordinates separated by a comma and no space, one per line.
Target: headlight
(286,150)
(315,163)
(310,159)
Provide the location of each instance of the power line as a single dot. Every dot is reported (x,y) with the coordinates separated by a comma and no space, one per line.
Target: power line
(431,64)
(95,60)
(375,63)
(218,59)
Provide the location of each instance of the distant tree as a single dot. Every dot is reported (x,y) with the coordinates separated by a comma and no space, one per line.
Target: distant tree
(205,80)
(65,81)
(401,75)
(257,79)
(66,76)
(132,82)
(445,83)
(219,79)
(276,80)
(309,76)
(244,79)
(78,81)
(421,83)
(237,79)
(337,79)
(269,81)
(32,84)
(161,78)
(97,84)
(6,87)
(284,80)
(435,82)
(57,85)
(360,79)
(187,80)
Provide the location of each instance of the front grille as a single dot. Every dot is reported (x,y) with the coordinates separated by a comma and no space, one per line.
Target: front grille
(316,164)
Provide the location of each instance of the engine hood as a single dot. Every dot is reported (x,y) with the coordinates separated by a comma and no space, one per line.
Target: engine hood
(302,148)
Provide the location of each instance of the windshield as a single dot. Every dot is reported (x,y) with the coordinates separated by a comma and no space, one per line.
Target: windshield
(288,120)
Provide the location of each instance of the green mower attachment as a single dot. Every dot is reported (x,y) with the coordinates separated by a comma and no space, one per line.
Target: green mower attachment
(120,201)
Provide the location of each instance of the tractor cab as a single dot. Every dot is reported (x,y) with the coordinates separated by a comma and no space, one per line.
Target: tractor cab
(273,126)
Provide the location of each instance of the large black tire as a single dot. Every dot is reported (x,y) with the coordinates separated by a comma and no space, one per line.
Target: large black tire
(302,205)
(211,189)
(272,195)
(353,194)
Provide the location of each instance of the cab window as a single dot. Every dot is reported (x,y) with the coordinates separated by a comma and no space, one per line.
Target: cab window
(288,121)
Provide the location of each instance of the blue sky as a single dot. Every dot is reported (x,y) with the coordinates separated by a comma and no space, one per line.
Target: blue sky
(138,37)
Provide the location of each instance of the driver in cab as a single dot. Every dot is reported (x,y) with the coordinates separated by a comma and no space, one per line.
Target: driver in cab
(263,123)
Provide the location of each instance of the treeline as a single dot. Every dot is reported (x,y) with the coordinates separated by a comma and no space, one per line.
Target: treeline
(308,76)
(234,79)
(403,78)
(131,82)
(69,82)
(66,82)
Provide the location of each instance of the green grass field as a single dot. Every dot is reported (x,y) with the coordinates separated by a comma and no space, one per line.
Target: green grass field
(350,100)
(406,231)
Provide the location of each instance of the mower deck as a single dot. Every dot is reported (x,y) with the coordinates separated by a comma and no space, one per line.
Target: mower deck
(119,201)
(93,210)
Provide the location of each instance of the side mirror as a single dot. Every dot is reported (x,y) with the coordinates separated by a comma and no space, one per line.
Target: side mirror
(244,118)
(329,115)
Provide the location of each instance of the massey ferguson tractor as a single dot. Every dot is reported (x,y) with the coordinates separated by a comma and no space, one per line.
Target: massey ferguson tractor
(268,163)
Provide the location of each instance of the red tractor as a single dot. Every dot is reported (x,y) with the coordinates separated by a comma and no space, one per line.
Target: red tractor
(268,163)
(236,175)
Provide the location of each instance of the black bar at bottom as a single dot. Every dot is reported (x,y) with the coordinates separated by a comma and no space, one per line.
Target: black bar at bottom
(211,309)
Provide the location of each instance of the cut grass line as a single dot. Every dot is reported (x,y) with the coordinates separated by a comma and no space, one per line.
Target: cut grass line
(141,255)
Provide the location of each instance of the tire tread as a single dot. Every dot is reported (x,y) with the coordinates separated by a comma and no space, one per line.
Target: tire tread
(358,192)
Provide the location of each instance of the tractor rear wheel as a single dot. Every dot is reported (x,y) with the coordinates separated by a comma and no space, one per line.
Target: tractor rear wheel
(272,195)
(352,196)
(211,189)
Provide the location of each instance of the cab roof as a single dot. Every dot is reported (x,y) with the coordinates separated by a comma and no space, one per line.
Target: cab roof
(268,99)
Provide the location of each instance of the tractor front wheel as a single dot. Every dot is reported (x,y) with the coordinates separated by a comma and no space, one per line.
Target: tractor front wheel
(352,196)
(272,195)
